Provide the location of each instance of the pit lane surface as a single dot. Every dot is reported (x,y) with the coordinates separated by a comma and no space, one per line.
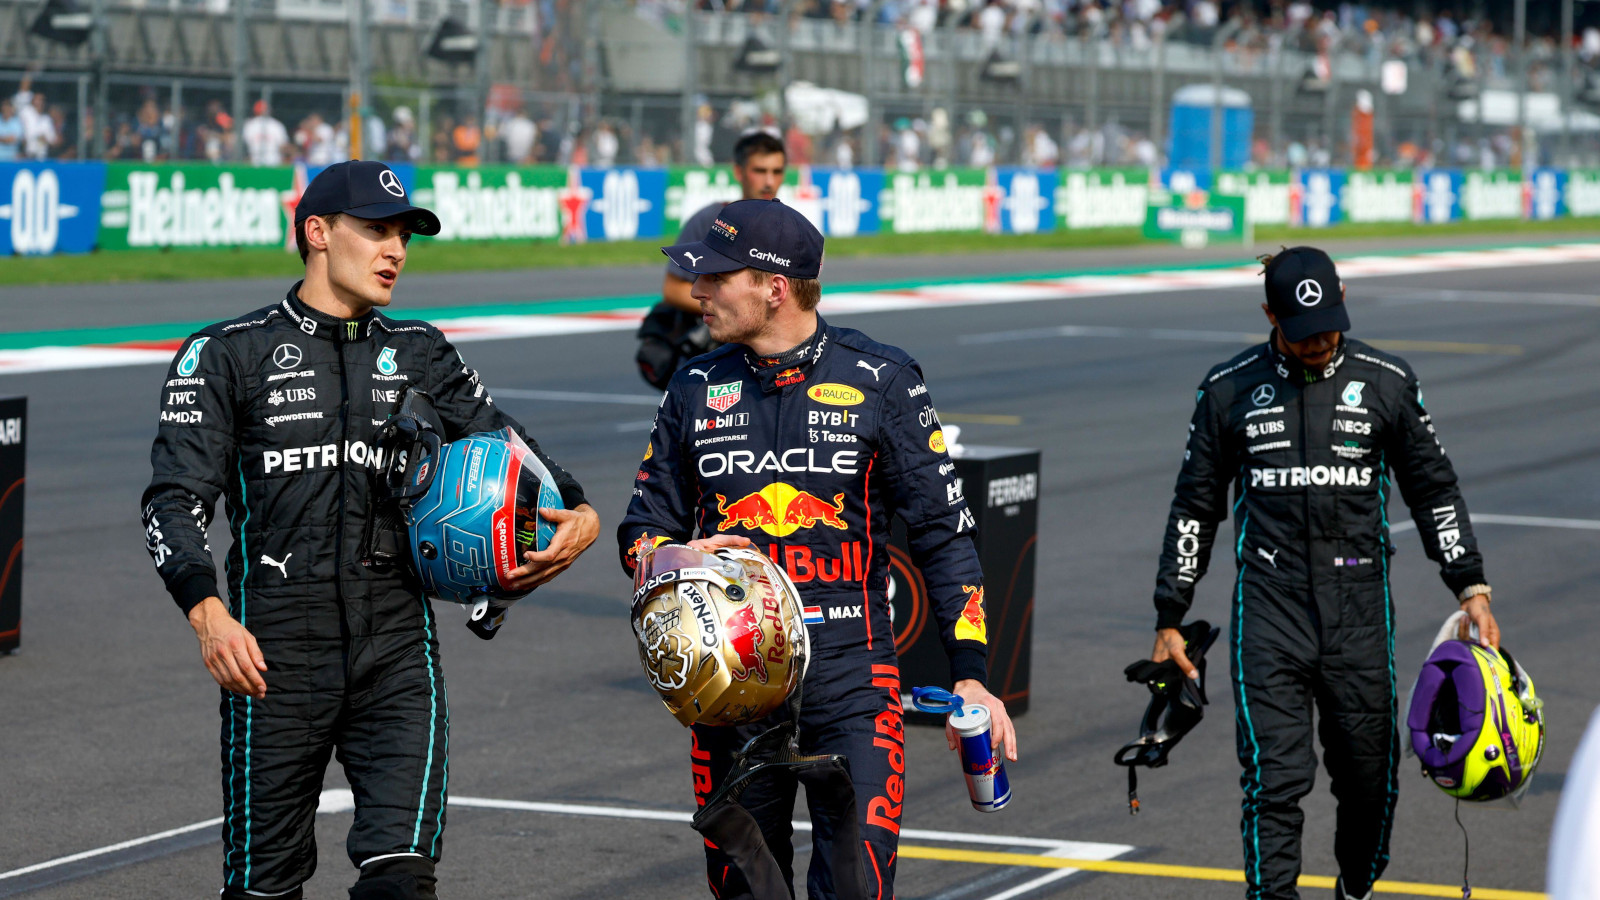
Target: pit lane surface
(110,720)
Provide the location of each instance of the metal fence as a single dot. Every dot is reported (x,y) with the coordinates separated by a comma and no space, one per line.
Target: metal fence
(635,82)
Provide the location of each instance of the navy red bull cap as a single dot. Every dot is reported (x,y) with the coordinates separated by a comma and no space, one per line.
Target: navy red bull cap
(1305,294)
(365,189)
(755,234)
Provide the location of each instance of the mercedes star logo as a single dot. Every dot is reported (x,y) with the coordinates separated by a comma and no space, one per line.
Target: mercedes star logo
(1262,395)
(391,183)
(1308,292)
(287,356)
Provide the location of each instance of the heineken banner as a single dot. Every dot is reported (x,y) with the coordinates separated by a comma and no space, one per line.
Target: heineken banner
(194,205)
(1495,194)
(1581,194)
(1379,196)
(1266,195)
(1196,218)
(1102,198)
(49,208)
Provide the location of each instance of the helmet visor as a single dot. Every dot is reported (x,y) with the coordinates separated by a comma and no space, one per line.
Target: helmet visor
(676,562)
(535,490)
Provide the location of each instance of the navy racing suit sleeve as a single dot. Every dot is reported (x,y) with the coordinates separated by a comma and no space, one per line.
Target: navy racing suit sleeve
(924,492)
(191,463)
(465,407)
(662,508)
(1199,505)
(1427,483)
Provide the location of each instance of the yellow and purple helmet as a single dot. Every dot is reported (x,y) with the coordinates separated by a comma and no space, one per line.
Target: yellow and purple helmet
(1475,722)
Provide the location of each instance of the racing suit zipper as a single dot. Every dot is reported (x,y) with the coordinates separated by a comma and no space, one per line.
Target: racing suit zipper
(338,543)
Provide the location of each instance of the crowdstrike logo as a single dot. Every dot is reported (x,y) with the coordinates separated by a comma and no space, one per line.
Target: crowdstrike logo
(36,211)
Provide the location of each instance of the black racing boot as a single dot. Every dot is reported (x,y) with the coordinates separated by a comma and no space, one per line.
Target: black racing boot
(1339,892)
(400,878)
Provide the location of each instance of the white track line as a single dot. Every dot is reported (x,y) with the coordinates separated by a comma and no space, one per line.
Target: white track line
(102,851)
(1036,883)
(1531,521)
(579,397)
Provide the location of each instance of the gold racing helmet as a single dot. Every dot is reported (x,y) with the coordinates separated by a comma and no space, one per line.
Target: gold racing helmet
(722,635)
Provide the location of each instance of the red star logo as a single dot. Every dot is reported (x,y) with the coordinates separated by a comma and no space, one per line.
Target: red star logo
(290,200)
(574,201)
(993,196)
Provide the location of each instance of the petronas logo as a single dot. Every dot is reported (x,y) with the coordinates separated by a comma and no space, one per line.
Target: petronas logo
(191,359)
(386,361)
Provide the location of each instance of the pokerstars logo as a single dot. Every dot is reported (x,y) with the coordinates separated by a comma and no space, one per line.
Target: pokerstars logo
(1320,200)
(1438,197)
(36,211)
(620,205)
(1025,203)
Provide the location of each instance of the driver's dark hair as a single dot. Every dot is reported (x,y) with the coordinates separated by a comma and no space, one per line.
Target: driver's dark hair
(1266,259)
(328,220)
(756,142)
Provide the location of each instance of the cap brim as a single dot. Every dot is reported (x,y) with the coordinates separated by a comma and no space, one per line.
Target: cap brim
(423,221)
(1300,327)
(700,259)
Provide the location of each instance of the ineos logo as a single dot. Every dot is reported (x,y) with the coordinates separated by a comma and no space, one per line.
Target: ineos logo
(287,356)
(391,183)
(1308,292)
(1262,395)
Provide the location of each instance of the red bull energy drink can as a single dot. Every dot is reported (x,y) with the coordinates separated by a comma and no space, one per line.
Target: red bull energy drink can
(983,766)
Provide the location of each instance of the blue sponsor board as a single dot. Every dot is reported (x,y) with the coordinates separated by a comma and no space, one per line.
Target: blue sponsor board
(1547,194)
(841,202)
(1441,195)
(1320,192)
(624,203)
(1028,203)
(1182,181)
(50,207)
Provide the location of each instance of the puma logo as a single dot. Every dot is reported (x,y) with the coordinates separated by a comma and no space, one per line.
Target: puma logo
(693,260)
(873,369)
(282,567)
(1269,557)
(705,374)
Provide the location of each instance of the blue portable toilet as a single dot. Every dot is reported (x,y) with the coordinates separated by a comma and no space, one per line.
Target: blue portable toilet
(1189,144)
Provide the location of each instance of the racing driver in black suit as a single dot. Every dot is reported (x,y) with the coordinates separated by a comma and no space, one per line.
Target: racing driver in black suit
(803,439)
(1307,428)
(317,651)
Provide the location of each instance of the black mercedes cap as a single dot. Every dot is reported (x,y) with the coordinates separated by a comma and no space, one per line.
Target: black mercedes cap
(365,189)
(1305,294)
(757,234)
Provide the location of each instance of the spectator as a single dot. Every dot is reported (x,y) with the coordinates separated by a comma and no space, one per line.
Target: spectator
(10,131)
(520,137)
(402,143)
(39,134)
(605,146)
(704,129)
(150,132)
(798,145)
(465,141)
(266,141)
(318,142)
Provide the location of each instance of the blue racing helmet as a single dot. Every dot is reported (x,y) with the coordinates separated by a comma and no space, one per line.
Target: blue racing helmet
(477,514)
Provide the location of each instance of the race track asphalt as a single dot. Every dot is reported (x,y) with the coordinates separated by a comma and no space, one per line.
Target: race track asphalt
(108,724)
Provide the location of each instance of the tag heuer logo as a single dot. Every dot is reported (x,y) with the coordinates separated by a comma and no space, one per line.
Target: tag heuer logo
(722,396)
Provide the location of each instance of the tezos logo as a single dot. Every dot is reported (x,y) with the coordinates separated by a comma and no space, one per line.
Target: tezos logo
(1352,393)
(287,356)
(391,183)
(386,361)
(1262,395)
(191,359)
(1308,292)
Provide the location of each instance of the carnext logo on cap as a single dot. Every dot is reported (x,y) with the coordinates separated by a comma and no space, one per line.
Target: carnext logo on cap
(769,257)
